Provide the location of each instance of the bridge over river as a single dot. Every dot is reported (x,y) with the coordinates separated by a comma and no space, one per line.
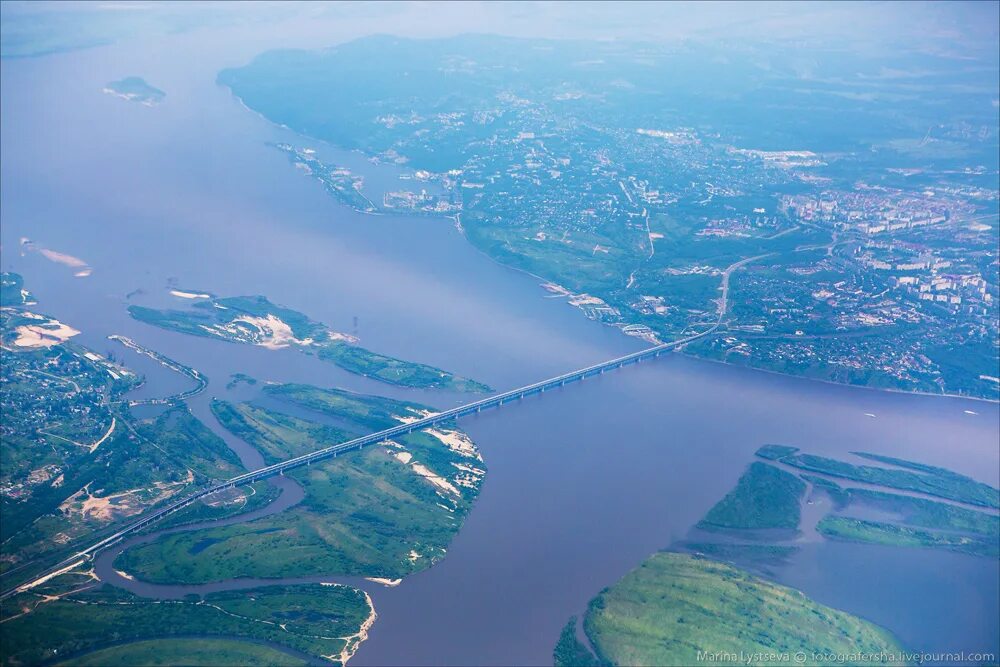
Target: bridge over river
(357,443)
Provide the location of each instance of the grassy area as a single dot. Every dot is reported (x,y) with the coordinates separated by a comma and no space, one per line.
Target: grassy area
(570,651)
(674,606)
(222,505)
(312,618)
(394,371)
(372,412)
(191,651)
(181,436)
(254,320)
(277,436)
(384,511)
(924,513)
(877,532)
(764,497)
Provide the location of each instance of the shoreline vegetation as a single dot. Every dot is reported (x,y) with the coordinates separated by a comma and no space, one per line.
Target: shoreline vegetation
(254,320)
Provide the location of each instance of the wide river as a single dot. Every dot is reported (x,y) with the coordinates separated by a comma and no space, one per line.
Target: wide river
(583,483)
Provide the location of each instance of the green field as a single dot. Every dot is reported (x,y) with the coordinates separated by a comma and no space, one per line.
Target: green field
(316,619)
(372,412)
(190,651)
(674,606)
(764,497)
(373,512)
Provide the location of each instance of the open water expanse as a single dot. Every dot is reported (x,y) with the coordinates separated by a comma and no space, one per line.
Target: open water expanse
(584,482)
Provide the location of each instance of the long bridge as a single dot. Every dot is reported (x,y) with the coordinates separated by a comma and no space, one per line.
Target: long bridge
(357,443)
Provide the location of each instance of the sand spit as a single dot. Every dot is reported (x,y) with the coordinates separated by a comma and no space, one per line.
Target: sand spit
(82,268)
(352,642)
(189,295)
(389,583)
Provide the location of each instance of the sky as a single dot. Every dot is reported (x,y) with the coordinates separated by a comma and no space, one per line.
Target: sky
(33,27)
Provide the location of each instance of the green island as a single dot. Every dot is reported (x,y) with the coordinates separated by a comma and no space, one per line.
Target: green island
(254,320)
(921,478)
(675,608)
(72,621)
(76,461)
(236,379)
(382,512)
(890,534)
(135,89)
(920,522)
(764,497)
(917,521)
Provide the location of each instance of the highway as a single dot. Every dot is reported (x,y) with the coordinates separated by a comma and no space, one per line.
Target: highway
(357,443)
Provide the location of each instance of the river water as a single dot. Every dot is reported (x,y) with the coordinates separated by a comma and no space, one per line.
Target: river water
(583,482)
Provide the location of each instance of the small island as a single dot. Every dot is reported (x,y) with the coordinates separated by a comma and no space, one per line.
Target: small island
(255,320)
(135,89)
